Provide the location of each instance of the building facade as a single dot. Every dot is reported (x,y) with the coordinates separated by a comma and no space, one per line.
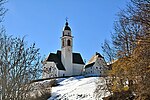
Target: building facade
(96,65)
(64,62)
(67,63)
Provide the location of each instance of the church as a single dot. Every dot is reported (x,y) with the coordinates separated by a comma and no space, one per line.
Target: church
(65,62)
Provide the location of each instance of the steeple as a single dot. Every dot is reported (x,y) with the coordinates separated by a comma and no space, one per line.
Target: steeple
(67,29)
(67,26)
(66,49)
(66,36)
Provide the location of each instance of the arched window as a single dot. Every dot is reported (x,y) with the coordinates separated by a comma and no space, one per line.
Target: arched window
(63,33)
(69,43)
(63,44)
(69,34)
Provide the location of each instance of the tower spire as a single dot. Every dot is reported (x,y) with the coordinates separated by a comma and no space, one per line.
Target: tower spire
(66,49)
(66,21)
(67,25)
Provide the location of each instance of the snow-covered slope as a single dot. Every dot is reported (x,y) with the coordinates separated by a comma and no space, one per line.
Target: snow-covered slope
(74,88)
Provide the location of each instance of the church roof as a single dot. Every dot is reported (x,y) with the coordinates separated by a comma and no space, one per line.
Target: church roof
(77,59)
(57,59)
(67,27)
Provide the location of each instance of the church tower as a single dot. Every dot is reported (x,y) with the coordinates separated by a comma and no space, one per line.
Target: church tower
(66,50)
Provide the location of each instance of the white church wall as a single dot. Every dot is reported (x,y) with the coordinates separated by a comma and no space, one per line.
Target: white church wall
(50,70)
(78,69)
(61,73)
(66,60)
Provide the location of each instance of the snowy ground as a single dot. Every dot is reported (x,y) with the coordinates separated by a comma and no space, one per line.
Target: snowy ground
(75,88)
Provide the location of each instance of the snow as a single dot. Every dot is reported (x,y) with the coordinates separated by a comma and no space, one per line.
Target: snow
(75,88)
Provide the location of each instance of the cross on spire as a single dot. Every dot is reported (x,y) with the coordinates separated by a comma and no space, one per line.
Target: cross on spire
(67,19)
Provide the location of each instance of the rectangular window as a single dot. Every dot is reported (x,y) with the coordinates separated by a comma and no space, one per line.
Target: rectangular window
(50,69)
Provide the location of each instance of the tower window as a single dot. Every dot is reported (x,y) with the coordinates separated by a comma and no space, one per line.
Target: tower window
(63,33)
(68,34)
(69,43)
(63,43)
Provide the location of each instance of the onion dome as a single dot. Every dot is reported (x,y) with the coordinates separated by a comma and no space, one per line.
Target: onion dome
(67,27)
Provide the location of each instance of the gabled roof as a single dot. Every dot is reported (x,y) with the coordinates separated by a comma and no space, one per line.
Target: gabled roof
(99,55)
(57,59)
(77,59)
(93,60)
(89,65)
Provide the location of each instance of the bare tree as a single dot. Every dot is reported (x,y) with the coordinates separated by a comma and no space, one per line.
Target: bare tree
(125,35)
(3,10)
(129,77)
(108,51)
(19,65)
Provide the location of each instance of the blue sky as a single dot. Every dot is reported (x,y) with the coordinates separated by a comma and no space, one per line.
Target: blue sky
(42,22)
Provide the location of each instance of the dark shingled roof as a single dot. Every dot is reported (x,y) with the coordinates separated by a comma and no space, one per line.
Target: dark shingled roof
(67,27)
(77,59)
(99,55)
(90,65)
(57,59)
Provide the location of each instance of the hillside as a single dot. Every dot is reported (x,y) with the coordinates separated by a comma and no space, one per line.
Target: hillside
(75,88)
